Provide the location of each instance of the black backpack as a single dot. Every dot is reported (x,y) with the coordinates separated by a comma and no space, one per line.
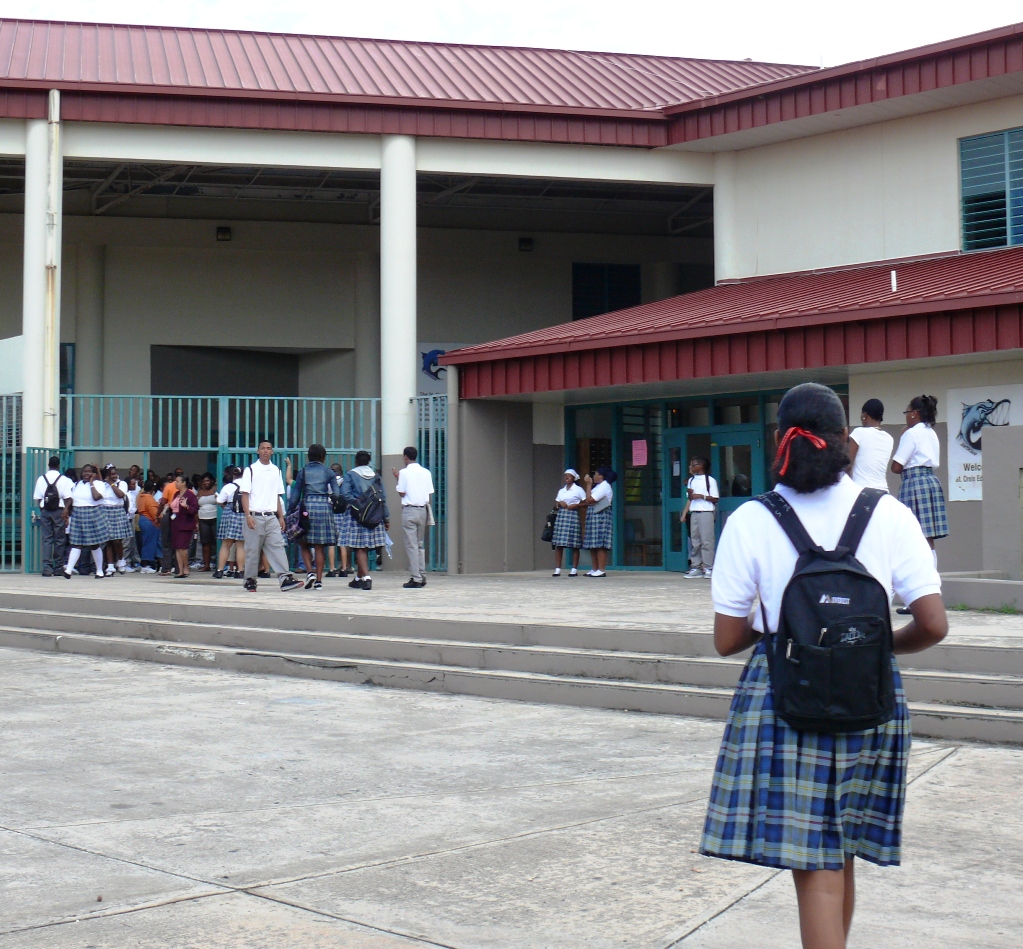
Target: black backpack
(368,508)
(51,496)
(236,498)
(831,658)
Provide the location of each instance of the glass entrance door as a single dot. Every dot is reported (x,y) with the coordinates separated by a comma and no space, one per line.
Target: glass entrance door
(736,458)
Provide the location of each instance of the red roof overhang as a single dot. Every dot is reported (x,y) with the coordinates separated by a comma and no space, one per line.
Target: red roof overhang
(946,306)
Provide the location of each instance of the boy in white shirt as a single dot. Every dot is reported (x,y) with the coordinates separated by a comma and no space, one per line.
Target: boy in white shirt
(702,491)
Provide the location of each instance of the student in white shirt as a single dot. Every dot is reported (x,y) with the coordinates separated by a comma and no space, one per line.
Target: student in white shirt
(88,522)
(918,454)
(230,530)
(870,447)
(801,800)
(415,486)
(262,487)
(51,494)
(567,527)
(599,533)
(119,528)
(701,505)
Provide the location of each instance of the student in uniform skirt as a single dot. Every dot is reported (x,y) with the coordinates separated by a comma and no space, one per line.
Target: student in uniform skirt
(599,533)
(88,521)
(313,489)
(918,454)
(805,801)
(229,530)
(567,529)
(335,571)
(119,527)
(355,483)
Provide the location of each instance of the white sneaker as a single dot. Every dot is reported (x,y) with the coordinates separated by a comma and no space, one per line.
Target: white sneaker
(110,569)
(121,566)
(557,572)
(694,573)
(706,572)
(573,572)
(146,570)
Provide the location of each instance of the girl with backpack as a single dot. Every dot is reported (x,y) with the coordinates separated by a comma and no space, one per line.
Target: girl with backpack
(811,801)
(313,491)
(229,530)
(366,521)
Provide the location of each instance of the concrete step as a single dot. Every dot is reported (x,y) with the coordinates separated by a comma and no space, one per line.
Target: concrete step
(932,719)
(982,689)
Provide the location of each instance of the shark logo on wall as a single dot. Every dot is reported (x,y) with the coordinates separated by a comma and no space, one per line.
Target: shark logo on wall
(430,366)
(976,416)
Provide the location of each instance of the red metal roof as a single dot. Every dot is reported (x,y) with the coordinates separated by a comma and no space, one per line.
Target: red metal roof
(952,282)
(138,59)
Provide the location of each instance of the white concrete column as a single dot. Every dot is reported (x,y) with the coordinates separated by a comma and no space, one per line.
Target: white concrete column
(398,333)
(367,326)
(89,304)
(40,314)
(726,265)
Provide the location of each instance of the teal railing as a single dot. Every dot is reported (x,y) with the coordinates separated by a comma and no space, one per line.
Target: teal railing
(11,481)
(431,443)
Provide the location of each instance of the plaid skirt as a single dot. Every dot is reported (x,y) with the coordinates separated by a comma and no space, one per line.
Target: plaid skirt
(566,529)
(116,519)
(353,534)
(805,800)
(230,526)
(88,527)
(321,520)
(921,493)
(598,530)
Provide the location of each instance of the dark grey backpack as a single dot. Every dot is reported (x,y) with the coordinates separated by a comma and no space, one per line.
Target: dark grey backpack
(831,656)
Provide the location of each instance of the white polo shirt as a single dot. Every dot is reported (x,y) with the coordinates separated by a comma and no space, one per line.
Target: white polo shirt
(64,487)
(603,495)
(571,494)
(81,495)
(918,448)
(756,558)
(415,484)
(264,486)
(702,484)
(874,448)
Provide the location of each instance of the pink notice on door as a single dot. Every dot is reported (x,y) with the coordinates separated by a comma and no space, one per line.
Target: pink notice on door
(639,455)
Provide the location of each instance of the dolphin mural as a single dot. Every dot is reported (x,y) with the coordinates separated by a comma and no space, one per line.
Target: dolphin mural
(976,416)
(430,366)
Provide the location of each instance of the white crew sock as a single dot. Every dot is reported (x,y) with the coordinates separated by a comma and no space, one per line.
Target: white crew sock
(72,559)
(97,558)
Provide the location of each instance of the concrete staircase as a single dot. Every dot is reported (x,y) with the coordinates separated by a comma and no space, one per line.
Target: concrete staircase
(956,691)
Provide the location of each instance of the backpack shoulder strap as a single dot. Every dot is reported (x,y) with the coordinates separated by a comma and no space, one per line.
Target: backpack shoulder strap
(859,517)
(788,519)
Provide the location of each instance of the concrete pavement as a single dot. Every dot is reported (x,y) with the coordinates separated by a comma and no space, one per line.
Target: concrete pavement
(217,810)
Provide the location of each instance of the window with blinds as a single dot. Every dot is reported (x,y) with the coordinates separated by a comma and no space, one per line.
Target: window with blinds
(991,169)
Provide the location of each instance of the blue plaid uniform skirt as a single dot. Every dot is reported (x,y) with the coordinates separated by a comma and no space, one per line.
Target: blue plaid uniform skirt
(566,529)
(322,529)
(921,493)
(230,526)
(353,534)
(88,527)
(598,530)
(805,800)
(116,518)
(339,520)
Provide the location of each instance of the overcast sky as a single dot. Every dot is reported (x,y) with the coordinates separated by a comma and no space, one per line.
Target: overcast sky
(790,31)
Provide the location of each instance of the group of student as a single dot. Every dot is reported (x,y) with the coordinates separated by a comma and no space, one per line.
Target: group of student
(164,525)
(584,520)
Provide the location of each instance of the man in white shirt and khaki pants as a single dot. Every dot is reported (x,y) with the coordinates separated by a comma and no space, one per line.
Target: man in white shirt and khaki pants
(261,487)
(415,485)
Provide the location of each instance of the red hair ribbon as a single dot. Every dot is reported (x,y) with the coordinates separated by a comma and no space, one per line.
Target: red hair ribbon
(785,446)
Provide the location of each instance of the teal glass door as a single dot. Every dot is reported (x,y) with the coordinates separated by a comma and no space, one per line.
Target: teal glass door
(674,479)
(738,465)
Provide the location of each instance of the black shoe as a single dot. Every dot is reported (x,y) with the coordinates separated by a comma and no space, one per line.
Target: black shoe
(65,574)
(342,574)
(317,585)
(250,584)
(367,583)
(288,582)
(904,611)
(264,575)
(413,584)
(50,574)
(218,574)
(355,583)
(330,574)
(310,580)
(422,582)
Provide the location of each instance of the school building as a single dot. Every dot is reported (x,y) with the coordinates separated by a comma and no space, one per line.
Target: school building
(523,258)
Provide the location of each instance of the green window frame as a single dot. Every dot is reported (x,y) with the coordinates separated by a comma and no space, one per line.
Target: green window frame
(991,189)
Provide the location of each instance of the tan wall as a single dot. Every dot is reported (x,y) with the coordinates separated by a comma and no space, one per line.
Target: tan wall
(870,193)
(1003,480)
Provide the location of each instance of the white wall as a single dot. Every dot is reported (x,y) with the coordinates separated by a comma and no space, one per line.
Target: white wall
(11,375)
(871,193)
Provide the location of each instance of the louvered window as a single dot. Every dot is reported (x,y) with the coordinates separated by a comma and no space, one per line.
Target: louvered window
(992,189)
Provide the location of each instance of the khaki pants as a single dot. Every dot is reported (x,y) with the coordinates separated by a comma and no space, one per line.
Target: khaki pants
(413,528)
(268,538)
(701,534)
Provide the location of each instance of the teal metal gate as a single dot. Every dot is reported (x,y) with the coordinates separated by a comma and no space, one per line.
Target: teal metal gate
(431,443)
(11,481)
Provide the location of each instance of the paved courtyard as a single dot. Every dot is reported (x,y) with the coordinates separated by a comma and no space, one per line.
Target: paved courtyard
(156,806)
